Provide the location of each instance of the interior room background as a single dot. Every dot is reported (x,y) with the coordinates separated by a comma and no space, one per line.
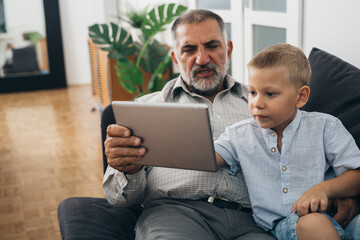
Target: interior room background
(332,26)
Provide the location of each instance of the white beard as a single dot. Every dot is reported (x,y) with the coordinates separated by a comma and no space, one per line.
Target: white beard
(208,85)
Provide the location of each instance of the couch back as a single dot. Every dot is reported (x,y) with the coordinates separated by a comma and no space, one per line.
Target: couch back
(335,89)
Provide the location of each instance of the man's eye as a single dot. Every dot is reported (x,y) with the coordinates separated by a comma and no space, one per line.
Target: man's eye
(213,46)
(187,50)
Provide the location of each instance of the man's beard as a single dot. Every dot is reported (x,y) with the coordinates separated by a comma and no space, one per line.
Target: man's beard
(205,86)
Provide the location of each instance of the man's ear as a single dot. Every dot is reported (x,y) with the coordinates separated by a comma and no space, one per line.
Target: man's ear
(173,57)
(229,48)
(303,96)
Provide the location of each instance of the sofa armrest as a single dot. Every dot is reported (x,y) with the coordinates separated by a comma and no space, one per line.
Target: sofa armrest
(107,118)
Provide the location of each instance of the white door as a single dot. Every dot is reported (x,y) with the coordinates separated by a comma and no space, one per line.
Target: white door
(267,22)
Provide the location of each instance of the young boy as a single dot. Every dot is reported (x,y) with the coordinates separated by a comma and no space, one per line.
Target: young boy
(284,152)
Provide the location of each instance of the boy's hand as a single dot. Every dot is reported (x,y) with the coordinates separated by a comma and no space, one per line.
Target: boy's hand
(312,200)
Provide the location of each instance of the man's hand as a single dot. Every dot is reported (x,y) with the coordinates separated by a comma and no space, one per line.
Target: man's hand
(122,149)
(347,209)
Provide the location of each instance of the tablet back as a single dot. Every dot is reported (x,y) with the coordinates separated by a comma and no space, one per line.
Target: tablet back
(175,135)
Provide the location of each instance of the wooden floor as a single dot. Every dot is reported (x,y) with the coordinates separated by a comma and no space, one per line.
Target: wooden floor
(49,150)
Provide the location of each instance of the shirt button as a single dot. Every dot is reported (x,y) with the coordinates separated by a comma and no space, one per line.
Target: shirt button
(284,168)
(272,134)
(285,190)
(273,150)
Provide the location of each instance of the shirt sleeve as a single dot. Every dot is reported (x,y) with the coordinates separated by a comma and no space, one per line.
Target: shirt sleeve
(124,189)
(224,146)
(341,150)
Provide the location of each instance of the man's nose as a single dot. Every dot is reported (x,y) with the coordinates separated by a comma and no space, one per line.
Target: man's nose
(202,57)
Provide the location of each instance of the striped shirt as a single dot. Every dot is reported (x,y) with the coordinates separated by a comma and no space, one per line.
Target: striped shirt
(228,107)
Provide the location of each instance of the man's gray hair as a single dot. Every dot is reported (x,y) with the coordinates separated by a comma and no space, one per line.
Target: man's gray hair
(197,16)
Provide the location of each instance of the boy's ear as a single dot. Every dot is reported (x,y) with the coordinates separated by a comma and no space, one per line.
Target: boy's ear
(303,96)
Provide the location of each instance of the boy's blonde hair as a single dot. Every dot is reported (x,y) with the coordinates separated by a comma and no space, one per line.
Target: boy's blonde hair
(284,57)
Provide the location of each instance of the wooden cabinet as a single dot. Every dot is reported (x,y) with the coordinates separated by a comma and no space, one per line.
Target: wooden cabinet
(104,81)
(42,55)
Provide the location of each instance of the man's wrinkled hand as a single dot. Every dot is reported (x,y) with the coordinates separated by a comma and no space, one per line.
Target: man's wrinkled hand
(347,209)
(122,149)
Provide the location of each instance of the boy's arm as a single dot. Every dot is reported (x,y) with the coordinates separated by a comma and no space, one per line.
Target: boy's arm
(220,161)
(316,198)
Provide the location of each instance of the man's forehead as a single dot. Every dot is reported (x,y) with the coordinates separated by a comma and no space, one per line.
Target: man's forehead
(199,33)
(203,41)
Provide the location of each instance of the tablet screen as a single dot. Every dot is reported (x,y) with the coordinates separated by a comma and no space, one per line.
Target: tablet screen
(175,135)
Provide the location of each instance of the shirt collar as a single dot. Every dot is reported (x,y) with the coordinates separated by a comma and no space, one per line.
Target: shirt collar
(290,129)
(230,85)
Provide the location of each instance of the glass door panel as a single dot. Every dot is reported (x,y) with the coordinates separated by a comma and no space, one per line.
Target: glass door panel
(266,36)
(213,4)
(270,5)
(267,22)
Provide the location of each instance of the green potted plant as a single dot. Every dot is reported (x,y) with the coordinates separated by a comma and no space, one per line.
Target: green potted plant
(150,56)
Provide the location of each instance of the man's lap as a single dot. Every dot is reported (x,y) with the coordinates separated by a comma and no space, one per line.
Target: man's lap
(95,218)
(187,219)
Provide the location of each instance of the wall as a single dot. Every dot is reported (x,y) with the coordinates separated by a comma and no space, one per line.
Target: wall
(333,26)
(76,16)
(329,25)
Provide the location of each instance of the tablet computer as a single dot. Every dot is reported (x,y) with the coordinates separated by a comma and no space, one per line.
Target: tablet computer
(175,135)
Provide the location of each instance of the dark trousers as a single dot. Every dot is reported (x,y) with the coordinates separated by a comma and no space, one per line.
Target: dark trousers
(95,218)
(172,219)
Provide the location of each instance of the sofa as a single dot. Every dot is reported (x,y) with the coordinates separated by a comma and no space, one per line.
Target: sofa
(335,89)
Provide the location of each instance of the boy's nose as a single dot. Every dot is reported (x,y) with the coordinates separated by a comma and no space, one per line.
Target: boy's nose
(258,102)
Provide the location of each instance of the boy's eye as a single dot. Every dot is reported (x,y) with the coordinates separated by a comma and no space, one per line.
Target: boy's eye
(271,94)
(252,93)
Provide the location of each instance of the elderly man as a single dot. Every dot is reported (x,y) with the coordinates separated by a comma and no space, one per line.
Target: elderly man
(178,204)
(176,201)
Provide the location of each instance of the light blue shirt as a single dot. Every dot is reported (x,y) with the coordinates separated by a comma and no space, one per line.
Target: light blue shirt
(312,143)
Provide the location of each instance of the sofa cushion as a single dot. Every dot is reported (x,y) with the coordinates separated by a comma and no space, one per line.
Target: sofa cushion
(335,89)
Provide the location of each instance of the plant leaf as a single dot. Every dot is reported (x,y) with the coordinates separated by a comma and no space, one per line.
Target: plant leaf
(156,83)
(124,45)
(119,45)
(115,30)
(130,76)
(153,55)
(97,34)
(153,24)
